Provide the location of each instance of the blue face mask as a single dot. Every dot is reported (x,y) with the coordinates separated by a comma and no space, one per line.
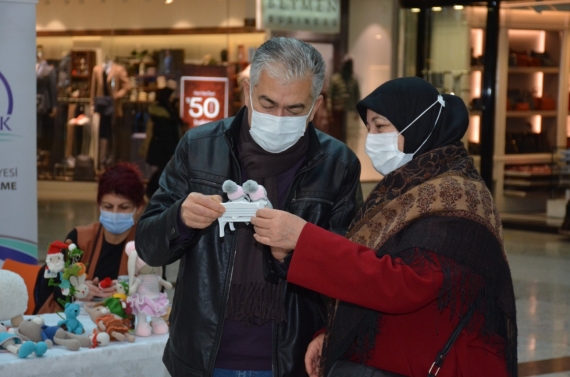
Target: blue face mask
(116,223)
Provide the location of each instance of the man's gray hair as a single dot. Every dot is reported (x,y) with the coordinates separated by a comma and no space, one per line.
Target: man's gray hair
(289,59)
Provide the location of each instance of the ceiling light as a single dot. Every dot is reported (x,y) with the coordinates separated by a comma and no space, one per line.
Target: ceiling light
(416,10)
(168,1)
(458,7)
(436,9)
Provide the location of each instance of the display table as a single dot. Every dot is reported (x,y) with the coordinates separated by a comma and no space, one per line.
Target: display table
(117,359)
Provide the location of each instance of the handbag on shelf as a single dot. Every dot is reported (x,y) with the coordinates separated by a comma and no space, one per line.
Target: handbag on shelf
(345,368)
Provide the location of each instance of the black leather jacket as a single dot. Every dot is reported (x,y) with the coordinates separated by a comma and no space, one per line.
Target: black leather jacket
(325,191)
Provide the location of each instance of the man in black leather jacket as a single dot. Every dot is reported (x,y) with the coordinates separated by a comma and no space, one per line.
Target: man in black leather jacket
(233,310)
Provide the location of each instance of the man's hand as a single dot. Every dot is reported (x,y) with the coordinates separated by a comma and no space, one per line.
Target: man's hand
(200,211)
(313,356)
(277,228)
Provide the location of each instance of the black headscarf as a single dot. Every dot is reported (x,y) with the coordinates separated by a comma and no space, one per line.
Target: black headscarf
(402,100)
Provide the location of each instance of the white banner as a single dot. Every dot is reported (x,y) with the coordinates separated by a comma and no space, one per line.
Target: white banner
(18,185)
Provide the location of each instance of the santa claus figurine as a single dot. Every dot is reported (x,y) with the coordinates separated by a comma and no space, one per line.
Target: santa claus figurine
(55,259)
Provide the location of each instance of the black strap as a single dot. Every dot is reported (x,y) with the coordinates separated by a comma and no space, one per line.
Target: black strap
(445,350)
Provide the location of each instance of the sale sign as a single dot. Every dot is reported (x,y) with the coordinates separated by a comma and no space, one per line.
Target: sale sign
(203,99)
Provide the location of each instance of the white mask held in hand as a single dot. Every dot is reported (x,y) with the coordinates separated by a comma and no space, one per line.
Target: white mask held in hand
(383,149)
(276,134)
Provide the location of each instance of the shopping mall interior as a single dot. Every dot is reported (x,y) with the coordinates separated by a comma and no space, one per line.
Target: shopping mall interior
(174,44)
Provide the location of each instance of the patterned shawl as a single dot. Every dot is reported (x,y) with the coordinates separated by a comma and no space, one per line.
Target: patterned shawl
(437,203)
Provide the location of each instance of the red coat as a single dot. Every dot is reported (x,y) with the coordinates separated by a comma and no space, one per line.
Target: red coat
(413,330)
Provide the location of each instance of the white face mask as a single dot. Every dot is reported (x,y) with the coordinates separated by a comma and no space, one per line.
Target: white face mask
(276,134)
(383,149)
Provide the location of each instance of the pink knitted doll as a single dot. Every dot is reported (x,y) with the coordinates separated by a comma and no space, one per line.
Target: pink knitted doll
(235,192)
(256,192)
(145,297)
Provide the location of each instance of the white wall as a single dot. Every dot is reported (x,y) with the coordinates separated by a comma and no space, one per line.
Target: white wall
(370,43)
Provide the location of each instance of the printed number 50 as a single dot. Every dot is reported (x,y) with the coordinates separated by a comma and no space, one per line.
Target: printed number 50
(210,108)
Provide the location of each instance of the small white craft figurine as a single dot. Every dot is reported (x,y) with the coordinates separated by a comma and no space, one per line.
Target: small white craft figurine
(240,207)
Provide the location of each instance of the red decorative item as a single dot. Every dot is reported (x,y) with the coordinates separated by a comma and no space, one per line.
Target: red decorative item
(106,283)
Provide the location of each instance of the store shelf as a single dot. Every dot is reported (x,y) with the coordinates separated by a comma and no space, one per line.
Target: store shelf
(527,183)
(526,174)
(475,68)
(476,112)
(534,69)
(525,158)
(524,114)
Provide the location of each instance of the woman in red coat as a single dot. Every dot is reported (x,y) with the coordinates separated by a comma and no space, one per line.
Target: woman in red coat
(425,250)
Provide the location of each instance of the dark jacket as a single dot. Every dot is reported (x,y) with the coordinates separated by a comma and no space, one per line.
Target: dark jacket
(325,191)
(164,128)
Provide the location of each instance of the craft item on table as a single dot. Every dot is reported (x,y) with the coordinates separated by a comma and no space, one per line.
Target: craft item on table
(64,271)
(256,193)
(73,281)
(55,259)
(118,305)
(106,283)
(109,323)
(240,208)
(99,339)
(35,329)
(145,297)
(13,343)
(13,297)
(71,322)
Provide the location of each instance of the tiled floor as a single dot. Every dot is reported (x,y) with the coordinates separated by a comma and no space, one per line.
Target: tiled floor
(540,266)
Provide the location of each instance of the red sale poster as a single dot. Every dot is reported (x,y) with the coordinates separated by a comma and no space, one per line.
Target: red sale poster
(203,99)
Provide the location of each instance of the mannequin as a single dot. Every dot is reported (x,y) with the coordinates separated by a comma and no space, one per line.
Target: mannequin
(109,84)
(342,96)
(46,101)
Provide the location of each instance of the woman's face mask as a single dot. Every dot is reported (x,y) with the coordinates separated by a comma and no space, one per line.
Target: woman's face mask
(382,148)
(276,134)
(117,222)
(117,213)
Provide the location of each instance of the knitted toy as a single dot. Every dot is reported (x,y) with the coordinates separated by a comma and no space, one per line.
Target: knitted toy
(34,329)
(14,344)
(235,192)
(70,272)
(13,297)
(106,283)
(98,339)
(55,259)
(256,193)
(145,296)
(71,323)
(109,323)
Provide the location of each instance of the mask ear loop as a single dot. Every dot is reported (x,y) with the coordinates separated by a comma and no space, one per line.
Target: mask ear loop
(427,138)
(441,102)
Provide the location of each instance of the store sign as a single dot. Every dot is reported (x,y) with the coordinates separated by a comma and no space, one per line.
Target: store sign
(203,99)
(321,16)
(18,184)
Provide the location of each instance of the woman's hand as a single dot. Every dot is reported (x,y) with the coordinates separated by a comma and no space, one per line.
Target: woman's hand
(276,228)
(313,356)
(95,291)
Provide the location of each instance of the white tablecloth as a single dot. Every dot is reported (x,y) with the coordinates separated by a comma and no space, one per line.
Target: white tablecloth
(117,359)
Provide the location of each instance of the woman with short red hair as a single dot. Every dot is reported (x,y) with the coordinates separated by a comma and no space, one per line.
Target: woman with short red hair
(120,196)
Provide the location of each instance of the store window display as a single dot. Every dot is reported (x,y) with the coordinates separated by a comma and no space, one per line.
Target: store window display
(120,196)
(163,131)
(109,84)
(46,101)
(343,94)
